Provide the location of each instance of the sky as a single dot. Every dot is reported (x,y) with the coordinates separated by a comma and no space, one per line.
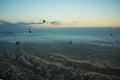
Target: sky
(67,13)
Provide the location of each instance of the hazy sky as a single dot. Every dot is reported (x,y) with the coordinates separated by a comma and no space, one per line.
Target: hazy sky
(69,13)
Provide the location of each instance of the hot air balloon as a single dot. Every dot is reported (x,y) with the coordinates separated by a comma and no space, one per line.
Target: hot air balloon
(70,42)
(28,28)
(117,41)
(17,43)
(30,31)
(111,34)
(44,21)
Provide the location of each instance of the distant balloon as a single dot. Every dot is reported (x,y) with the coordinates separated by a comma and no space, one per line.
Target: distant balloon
(70,42)
(30,31)
(17,43)
(44,21)
(28,28)
(112,45)
(117,41)
(111,34)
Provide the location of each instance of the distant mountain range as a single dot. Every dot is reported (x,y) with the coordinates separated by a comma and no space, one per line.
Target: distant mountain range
(8,27)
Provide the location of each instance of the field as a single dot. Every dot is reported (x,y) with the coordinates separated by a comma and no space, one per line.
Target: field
(58,61)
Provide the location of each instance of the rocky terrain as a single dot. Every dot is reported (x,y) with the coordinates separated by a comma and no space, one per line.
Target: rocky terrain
(43,61)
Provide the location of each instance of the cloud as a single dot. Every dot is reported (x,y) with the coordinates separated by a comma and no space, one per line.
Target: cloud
(74,22)
(55,22)
(18,25)
(37,23)
(28,23)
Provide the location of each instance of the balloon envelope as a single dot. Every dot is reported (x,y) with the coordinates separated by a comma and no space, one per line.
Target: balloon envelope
(111,34)
(43,21)
(28,28)
(29,31)
(70,42)
(17,43)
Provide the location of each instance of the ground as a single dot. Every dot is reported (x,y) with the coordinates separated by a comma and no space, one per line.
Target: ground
(58,61)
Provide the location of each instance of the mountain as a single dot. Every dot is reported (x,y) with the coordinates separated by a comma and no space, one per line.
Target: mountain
(8,27)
